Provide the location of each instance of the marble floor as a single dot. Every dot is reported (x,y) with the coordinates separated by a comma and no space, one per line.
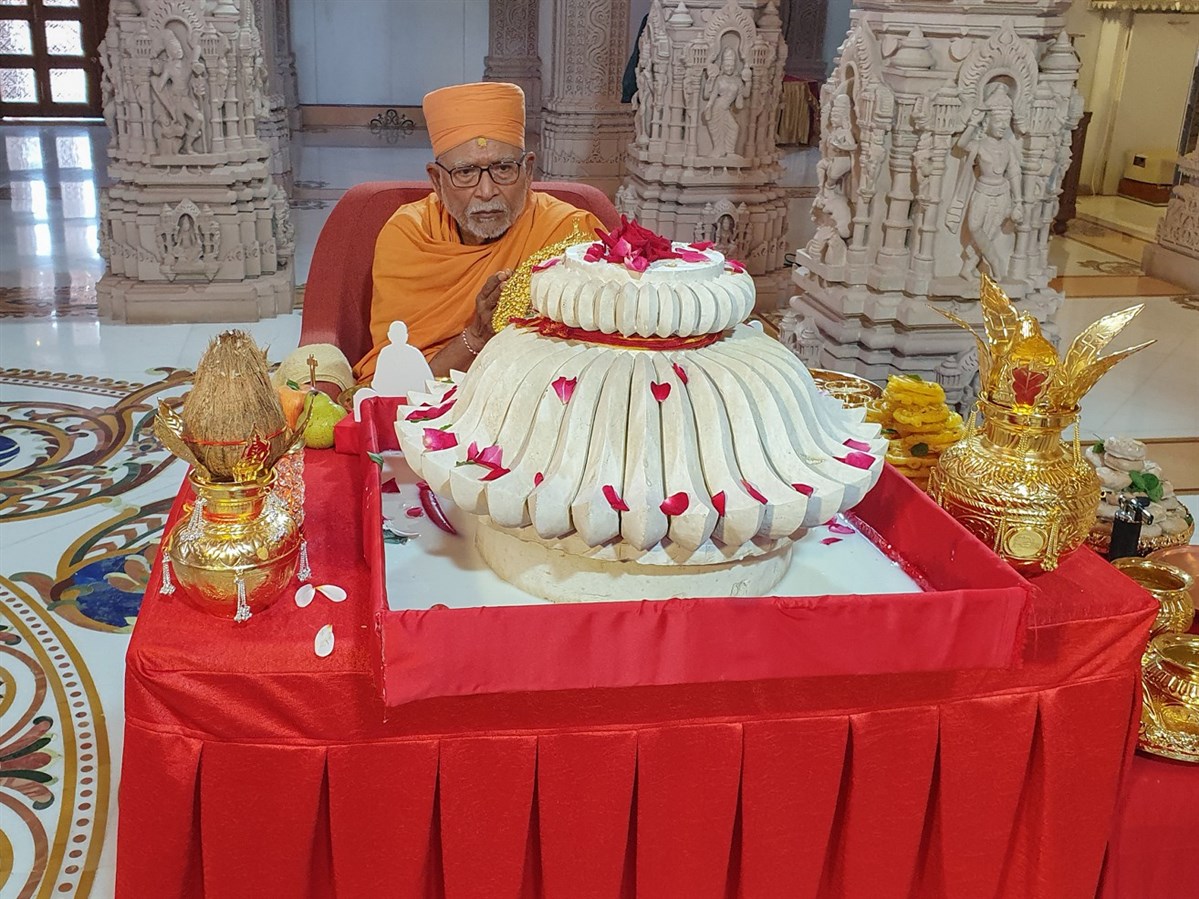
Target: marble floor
(84,487)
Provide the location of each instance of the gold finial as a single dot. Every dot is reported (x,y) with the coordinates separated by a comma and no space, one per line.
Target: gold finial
(312,371)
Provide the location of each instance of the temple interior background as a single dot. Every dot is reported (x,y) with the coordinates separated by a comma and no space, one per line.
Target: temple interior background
(84,488)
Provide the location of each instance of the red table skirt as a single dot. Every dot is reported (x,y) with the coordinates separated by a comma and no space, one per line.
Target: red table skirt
(253,769)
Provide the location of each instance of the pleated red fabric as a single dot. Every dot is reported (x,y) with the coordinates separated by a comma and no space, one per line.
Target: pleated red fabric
(253,768)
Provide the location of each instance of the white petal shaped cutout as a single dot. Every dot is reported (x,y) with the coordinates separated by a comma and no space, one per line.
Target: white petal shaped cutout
(334,592)
(305,595)
(323,645)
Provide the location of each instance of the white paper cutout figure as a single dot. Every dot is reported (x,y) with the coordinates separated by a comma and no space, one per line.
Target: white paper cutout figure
(401,368)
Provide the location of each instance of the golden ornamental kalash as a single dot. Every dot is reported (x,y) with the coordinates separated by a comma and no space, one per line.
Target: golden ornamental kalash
(236,545)
(1012,481)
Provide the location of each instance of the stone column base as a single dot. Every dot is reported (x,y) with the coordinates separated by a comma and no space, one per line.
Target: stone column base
(162,302)
(585,146)
(1171,265)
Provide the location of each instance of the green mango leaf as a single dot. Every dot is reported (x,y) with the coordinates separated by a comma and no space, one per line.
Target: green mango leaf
(1098,447)
(376,458)
(1148,484)
(293,385)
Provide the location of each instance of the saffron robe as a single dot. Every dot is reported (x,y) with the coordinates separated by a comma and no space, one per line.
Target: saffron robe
(425,276)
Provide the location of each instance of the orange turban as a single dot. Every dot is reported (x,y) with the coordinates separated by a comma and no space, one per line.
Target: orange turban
(463,112)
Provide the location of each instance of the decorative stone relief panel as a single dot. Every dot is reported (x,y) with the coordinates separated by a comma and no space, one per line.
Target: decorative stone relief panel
(703,163)
(1175,256)
(943,147)
(192,227)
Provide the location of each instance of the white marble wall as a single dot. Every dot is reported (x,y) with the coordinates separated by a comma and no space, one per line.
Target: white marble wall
(366,52)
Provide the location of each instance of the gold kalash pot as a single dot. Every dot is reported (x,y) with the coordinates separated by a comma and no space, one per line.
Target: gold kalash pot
(237,547)
(1012,481)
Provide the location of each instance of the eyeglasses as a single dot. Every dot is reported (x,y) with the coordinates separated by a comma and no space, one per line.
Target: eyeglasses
(504,172)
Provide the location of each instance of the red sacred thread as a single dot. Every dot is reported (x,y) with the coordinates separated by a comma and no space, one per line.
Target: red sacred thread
(550,328)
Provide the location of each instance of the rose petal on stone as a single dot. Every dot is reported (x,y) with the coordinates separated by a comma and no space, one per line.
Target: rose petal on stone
(614,499)
(565,388)
(323,644)
(829,541)
(436,439)
(542,266)
(678,370)
(333,592)
(414,512)
(492,457)
(692,256)
(304,595)
(718,503)
(636,263)
(858,445)
(537,479)
(805,489)
(701,245)
(660,390)
(496,472)
(858,460)
(735,266)
(675,504)
(753,491)
(840,528)
(428,413)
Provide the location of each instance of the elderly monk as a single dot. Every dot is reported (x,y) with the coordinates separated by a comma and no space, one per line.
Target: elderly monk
(440,262)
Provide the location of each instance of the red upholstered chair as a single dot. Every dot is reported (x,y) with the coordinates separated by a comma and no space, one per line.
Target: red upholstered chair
(337,299)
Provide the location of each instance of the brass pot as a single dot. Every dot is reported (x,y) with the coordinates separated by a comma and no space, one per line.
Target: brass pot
(1170,586)
(1170,699)
(1018,487)
(235,548)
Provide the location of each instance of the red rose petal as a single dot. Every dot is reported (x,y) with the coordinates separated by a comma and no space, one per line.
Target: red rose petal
(690,256)
(805,489)
(678,370)
(414,512)
(390,486)
(496,472)
(675,504)
(427,413)
(718,503)
(565,388)
(660,390)
(701,245)
(636,263)
(537,479)
(858,445)
(840,528)
(542,266)
(858,460)
(753,491)
(492,457)
(614,499)
(829,541)
(436,439)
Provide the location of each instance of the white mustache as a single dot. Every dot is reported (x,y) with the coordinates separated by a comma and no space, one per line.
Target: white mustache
(481,206)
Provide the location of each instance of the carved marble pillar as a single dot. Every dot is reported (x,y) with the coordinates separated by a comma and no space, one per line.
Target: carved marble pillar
(1175,256)
(193,227)
(283,106)
(944,142)
(513,54)
(704,165)
(584,126)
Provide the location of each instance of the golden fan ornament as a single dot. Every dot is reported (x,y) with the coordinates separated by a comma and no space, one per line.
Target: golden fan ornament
(1012,481)
(515,296)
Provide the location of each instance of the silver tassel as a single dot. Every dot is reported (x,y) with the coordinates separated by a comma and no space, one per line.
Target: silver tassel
(167,587)
(195,524)
(243,607)
(305,571)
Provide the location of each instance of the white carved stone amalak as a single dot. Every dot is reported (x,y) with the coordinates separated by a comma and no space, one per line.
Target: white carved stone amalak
(513,53)
(1175,255)
(193,228)
(944,142)
(584,126)
(679,454)
(703,164)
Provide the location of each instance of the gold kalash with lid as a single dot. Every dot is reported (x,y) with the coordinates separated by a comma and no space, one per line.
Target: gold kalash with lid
(1012,481)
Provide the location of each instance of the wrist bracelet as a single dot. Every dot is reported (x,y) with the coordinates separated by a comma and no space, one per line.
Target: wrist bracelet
(466,343)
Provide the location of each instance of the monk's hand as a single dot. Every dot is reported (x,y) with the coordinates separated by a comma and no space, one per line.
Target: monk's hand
(485,304)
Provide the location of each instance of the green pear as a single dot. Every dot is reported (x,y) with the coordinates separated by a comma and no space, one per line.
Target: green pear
(325,414)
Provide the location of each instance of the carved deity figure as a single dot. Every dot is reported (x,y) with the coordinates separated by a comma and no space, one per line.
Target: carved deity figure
(643,100)
(179,88)
(726,93)
(988,188)
(831,207)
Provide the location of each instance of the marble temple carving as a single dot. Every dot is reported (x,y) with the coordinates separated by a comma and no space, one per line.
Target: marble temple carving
(944,142)
(1175,255)
(703,164)
(193,227)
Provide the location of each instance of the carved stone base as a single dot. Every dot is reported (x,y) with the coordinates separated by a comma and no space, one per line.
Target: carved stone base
(1171,265)
(136,302)
(876,334)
